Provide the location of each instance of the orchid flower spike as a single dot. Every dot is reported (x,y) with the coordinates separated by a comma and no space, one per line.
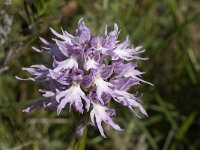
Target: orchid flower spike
(87,73)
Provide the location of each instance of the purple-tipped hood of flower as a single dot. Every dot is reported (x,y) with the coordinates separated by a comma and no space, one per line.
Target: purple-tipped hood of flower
(86,73)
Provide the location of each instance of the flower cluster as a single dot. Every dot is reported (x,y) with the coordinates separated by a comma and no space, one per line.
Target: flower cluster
(87,73)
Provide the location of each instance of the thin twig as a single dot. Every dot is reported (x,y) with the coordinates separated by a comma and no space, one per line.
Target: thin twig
(169,139)
(3,69)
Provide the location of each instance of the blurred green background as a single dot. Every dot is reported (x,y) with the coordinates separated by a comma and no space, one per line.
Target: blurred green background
(169,30)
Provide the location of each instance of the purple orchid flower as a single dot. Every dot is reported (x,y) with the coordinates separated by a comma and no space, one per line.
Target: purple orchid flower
(87,73)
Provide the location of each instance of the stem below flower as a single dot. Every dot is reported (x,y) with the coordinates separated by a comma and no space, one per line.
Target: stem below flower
(80,144)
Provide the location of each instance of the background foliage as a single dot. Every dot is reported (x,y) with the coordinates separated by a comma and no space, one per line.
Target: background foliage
(169,30)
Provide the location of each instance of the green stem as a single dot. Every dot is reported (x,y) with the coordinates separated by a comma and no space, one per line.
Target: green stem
(80,144)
